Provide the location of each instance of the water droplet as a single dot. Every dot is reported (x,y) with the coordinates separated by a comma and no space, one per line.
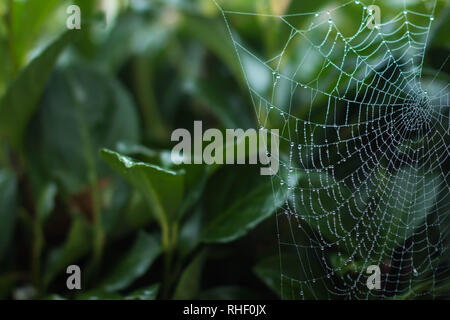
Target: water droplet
(415,272)
(431,18)
(127,162)
(357,1)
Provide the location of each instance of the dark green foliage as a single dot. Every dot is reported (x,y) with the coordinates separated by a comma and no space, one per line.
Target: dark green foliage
(85,170)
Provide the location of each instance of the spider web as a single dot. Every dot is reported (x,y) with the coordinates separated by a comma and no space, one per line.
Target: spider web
(366,131)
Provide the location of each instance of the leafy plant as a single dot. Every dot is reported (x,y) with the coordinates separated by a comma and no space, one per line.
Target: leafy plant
(85,170)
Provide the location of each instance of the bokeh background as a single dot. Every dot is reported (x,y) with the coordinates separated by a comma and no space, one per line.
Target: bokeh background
(136,71)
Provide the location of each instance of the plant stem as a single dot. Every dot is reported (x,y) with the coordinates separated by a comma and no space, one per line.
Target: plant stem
(11,44)
(98,239)
(169,242)
(38,242)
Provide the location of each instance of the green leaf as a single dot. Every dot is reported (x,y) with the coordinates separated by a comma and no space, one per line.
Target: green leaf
(246,213)
(82,111)
(148,293)
(134,264)
(28,20)
(16,108)
(214,35)
(189,236)
(113,215)
(195,175)
(132,35)
(162,188)
(135,217)
(195,182)
(269,272)
(8,206)
(46,201)
(189,285)
(225,106)
(77,244)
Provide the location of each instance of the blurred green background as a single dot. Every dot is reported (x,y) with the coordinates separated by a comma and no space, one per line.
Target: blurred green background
(139,227)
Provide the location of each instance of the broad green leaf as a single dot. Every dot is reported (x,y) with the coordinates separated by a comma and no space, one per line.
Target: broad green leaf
(162,188)
(119,197)
(189,285)
(132,34)
(195,175)
(8,208)
(134,263)
(82,111)
(246,213)
(189,235)
(77,244)
(161,158)
(22,96)
(214,36)
(195,182)
(225,106)
(28,19)
(135,217)
(148,293)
